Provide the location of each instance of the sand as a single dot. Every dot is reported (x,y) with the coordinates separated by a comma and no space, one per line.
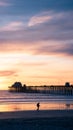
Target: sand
(36,114)
(37,120)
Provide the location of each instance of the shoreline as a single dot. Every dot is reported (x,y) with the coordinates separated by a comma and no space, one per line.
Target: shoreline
(31,114)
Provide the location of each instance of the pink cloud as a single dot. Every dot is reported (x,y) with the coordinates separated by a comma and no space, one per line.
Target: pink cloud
(4,73)
(37,20)
(11,26)
(40,18)
(4,3)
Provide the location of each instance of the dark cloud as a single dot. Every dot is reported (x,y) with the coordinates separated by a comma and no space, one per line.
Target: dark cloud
(62,49)
(66,49)
(60,27)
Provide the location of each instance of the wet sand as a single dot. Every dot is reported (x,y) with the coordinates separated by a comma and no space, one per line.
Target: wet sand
(37,120)
(36,114)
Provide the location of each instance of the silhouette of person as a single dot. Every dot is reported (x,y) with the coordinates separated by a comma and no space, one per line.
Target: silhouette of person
(38,105)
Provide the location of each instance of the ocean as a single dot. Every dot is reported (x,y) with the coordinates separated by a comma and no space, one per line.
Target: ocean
(27,101)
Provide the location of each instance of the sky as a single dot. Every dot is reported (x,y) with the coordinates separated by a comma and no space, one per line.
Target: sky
(36,42)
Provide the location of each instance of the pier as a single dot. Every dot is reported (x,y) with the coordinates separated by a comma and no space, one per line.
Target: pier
(66,89)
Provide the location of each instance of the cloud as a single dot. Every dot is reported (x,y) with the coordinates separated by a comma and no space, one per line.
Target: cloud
(41,18)
(47,37)
(66,49)
(62,49)
(4,4)
(11,26)
(34,64)
(59,27)
(7,73)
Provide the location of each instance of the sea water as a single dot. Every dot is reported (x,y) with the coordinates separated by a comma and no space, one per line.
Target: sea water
(10,101)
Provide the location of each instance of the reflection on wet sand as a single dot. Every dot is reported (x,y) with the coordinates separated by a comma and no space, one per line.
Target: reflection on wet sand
(32,106)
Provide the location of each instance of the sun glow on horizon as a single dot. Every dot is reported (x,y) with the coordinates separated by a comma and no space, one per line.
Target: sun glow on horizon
(34,69)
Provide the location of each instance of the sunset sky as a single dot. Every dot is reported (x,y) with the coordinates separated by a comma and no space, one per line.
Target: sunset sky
(36,42)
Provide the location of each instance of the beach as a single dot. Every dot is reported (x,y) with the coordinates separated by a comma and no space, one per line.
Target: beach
(18,111)
(37,120)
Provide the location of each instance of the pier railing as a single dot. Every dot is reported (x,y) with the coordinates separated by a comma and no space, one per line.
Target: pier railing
(59,90)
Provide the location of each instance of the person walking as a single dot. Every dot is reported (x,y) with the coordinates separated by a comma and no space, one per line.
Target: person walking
(38,105)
